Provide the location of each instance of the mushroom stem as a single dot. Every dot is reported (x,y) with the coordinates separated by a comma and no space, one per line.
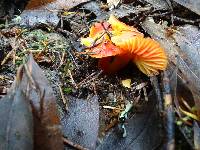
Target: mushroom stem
(113,64)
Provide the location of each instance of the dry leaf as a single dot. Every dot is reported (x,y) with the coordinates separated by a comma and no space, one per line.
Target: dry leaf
(47,133)
(126,83)
(16,123)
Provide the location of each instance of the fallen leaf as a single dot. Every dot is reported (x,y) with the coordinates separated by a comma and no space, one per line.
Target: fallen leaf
(53,4)
(16,123)
(81,123)
(196,135)
(32,81)
(45,11)
(192,5)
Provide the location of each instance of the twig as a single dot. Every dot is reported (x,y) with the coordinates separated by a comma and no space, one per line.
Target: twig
(72,57)
(28,73)
(72,79)
(159,14)
(145,94)
(113,108)
(183,20)
(63,97)
(94,88)
(62,60)
(172,10)
(170,143)
(83,81)
(154,82)
(7,57)
(76,146)
(88,79)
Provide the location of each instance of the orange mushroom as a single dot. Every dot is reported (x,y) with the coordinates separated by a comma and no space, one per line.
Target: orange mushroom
(112,57)
(125,43)
(118,27)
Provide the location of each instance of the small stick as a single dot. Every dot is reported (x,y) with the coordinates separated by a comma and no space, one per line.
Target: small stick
(62,60)
(63,98)
(83,81)
(170,143)
(169,3)
(197,21)
(89,78)
(112,124)
(145,94)
(154,82)
(76,146)
(28,73)
(94,88)
(7,57)
(72,79)
(111,107)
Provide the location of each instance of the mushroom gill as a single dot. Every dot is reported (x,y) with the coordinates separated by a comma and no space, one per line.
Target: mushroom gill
(146,53)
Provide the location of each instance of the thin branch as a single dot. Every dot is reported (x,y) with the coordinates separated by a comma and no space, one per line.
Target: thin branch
(170,143)
(76,146)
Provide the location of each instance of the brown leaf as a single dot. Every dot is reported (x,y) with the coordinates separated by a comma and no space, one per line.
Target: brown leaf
(81,123)
(32,81)
(53,4)
(16,123)
(46,11)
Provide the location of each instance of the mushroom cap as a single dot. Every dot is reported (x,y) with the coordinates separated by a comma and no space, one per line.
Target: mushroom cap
(96,34)
(146,53)
(118,26)
(99,28)
(104,49)
(100,45)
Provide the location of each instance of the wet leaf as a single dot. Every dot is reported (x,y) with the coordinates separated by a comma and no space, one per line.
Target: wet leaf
(46,11)
(196,135)
(185,56)
(81,123)
(16,123)
(32,81)
(193,5)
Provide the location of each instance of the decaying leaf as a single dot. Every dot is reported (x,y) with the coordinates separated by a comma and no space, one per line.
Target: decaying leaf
(53,4)
(196,135)
(16,123)
(185,56)
(81,123)
(45,11)
(31,80)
